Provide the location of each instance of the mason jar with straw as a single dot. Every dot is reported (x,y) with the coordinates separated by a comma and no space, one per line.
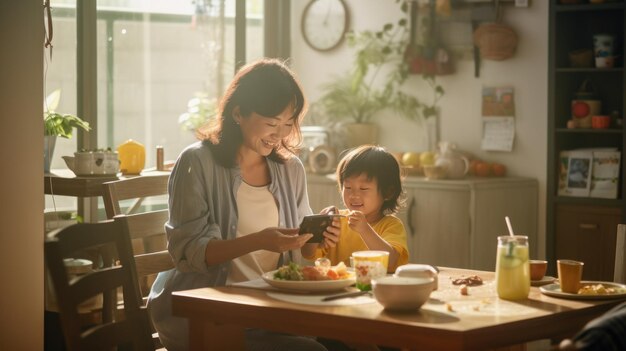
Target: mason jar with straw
(512,266)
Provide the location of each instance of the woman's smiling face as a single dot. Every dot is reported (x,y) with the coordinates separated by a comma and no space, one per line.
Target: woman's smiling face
(361,194)
(263,134)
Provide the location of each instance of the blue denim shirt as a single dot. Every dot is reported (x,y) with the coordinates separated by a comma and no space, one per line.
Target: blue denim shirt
(202,208)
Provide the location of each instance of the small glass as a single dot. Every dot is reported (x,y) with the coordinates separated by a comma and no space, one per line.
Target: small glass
(512,267)
(369,265)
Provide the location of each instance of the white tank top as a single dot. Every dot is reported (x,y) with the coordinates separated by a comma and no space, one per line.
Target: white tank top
(257,210)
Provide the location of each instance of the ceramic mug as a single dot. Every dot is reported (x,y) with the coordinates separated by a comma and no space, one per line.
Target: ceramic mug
(600,122)
(603,50)
(570,274)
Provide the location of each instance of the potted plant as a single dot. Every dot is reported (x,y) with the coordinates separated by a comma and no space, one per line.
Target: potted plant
(57,125)
(366,89)
(200,109)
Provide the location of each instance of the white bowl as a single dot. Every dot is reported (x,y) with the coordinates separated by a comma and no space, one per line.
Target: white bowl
(414,270)
(402,293)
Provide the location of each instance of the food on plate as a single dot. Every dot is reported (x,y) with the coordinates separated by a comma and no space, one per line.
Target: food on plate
(472,280)
(599,289)
(291,271)
(321,271)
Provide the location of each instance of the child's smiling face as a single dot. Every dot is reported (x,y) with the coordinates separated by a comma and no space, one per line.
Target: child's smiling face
(361,194)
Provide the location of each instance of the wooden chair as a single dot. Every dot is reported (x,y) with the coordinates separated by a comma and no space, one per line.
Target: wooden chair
(619,274)
(146,229)
(132,330)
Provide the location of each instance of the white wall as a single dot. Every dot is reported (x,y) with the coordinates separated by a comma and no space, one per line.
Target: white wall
(21,182)
(460,116)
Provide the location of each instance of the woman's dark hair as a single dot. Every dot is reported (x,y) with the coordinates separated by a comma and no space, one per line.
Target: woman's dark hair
(265,87)
(376,163)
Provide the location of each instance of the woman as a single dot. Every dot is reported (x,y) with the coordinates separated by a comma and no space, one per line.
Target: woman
(233,198)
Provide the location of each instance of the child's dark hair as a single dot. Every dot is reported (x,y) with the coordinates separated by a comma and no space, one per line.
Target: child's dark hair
(376,163)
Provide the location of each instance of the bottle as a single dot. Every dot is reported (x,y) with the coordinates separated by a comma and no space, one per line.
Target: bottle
(132,157)
(160,165)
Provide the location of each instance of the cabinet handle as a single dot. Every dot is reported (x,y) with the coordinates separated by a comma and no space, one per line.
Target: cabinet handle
(588,226)
(410,216)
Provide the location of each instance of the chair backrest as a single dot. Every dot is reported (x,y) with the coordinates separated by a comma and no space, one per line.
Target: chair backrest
(132,188)
(620,255)
(133,329)
(147,229)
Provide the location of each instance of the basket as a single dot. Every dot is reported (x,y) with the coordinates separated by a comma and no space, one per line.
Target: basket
(496,41)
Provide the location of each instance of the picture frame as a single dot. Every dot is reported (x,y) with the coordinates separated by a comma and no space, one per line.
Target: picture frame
(579,170)
(605,174)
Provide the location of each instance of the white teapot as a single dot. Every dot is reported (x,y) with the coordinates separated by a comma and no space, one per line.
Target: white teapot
(90,163)
(454,162)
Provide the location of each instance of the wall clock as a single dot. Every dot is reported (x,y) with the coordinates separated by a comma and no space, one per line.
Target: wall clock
(324,23)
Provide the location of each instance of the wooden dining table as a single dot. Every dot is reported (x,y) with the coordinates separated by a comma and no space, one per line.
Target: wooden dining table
(63,182)
(449,320)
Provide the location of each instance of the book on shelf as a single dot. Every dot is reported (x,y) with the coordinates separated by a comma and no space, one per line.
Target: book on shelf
(591,172)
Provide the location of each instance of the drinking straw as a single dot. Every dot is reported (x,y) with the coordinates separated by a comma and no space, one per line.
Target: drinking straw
(508,224)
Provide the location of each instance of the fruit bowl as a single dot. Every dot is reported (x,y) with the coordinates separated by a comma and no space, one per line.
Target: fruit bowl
(412,170)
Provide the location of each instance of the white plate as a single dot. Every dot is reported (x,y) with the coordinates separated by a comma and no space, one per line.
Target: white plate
(308,285)
(555,291)
(543,281)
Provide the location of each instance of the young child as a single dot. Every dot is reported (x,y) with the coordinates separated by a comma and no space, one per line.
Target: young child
(369,179)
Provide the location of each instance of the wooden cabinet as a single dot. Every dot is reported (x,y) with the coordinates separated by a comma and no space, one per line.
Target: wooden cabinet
(455,223)
(581,227)
(588,234)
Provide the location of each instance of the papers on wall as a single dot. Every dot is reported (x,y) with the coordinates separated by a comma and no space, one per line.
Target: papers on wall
(498,111)
(498,133)
(589,172)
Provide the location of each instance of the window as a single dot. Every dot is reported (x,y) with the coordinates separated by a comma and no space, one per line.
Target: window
(153,56)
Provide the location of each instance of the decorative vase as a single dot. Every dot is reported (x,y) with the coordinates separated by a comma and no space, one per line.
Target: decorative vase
(132,157)
(49,142)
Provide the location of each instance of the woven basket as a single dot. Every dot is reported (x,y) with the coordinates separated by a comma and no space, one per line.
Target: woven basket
(496,41)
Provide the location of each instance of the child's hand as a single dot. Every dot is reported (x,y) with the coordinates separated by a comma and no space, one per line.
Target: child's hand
(331,234)
(357,221)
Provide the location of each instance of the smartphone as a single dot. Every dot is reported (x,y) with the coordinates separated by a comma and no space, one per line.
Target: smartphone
(316,225)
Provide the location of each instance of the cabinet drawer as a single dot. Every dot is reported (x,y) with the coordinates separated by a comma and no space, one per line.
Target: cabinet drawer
(588,233)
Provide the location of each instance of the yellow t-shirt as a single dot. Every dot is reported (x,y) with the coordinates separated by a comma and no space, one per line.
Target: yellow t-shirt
(390,228)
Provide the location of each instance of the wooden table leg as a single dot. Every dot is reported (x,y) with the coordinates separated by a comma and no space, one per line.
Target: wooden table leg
(210,336)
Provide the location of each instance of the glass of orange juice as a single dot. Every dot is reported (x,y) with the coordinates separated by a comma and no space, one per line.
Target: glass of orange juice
(512,267)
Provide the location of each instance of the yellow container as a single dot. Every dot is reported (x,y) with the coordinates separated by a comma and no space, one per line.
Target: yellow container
(132,157)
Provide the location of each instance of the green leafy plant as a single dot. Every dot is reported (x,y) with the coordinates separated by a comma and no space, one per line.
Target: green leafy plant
(62,124)
(376,80)
(57,124)
(200,109)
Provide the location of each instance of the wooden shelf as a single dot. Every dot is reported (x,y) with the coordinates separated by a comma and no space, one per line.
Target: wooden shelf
(584,227)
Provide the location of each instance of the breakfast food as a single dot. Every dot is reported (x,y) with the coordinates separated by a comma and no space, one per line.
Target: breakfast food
(321,271)
(472,280)
(463,290)
(599,289)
